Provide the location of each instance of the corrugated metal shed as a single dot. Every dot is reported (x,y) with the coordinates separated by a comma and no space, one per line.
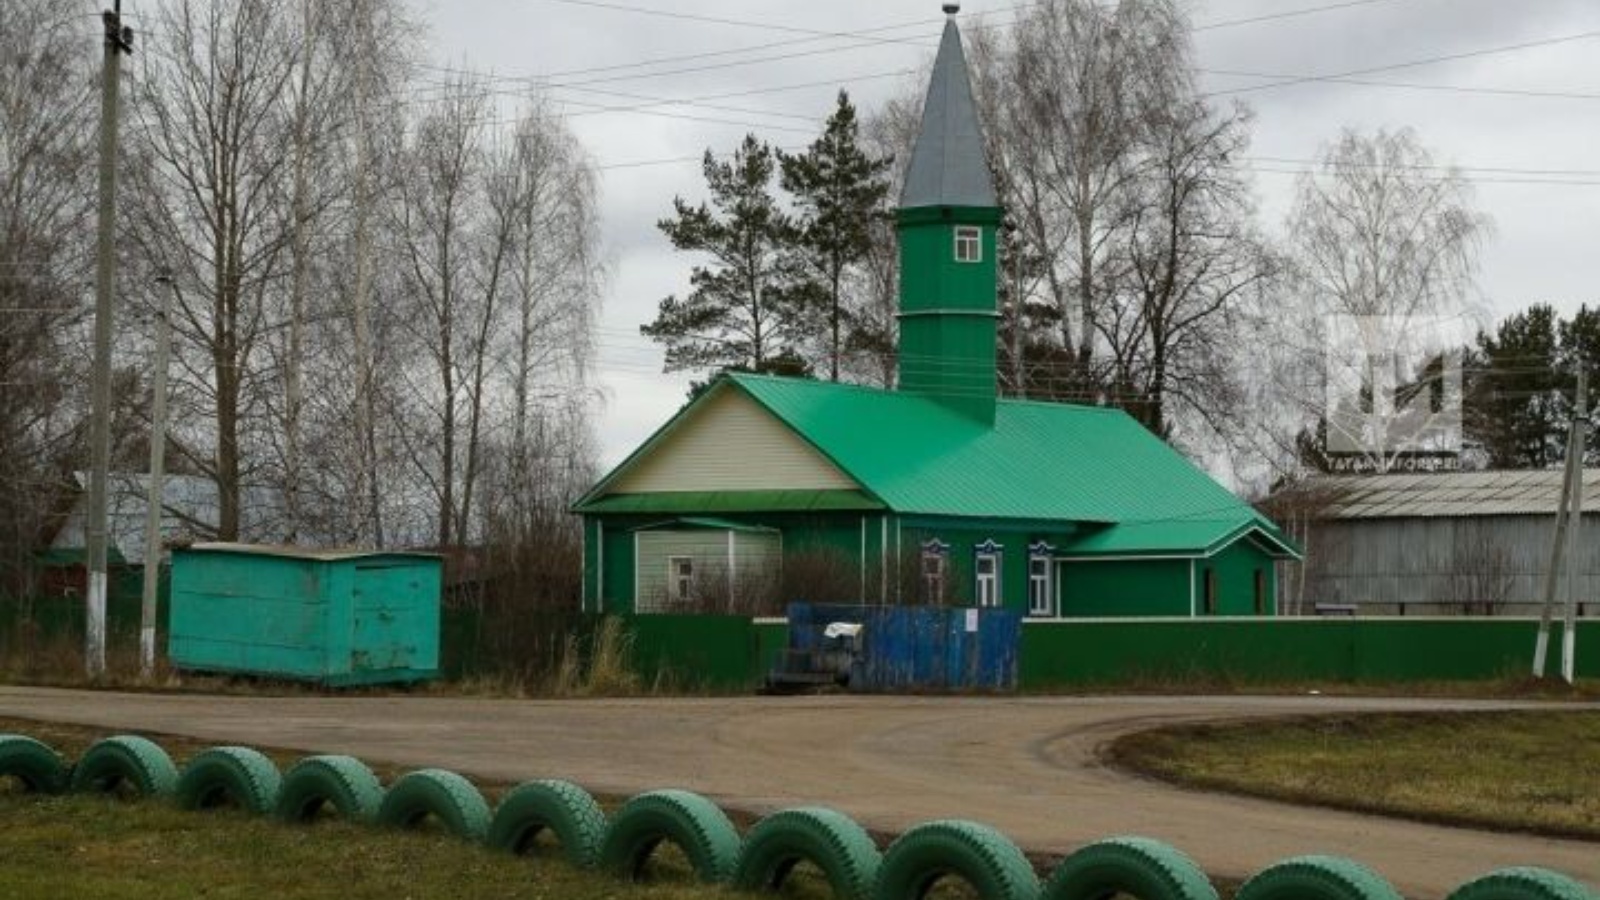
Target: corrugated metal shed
(1443,494)
(338,617)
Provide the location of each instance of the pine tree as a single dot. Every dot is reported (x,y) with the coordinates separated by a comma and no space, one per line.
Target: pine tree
(739,313)
(1514,407)
(839,190)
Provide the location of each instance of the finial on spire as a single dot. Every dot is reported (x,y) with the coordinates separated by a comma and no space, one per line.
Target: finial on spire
(951,9)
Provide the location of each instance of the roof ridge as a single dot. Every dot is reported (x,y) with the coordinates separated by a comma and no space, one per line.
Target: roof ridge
(892,392)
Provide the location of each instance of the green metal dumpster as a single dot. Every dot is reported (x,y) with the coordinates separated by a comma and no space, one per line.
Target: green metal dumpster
(335,617)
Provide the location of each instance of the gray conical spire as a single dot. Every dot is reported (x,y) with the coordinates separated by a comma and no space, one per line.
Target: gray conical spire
(947,165)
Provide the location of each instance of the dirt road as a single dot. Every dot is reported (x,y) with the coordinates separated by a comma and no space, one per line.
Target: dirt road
(1025,765)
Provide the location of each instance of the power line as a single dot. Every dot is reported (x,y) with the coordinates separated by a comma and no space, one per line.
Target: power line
(1404,85)
(1409,64)
(715,20)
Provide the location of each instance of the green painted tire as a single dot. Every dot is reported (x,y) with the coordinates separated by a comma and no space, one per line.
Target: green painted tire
(561,806)
(343,782)
(1317,878)
(238,775)
(984,857)
(829,840)
(1140,867)
(439,793)
(1523,883)
(125,760)
(34,763)
(695,824)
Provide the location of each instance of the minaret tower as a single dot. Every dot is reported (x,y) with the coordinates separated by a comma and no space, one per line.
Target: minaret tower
(946,223)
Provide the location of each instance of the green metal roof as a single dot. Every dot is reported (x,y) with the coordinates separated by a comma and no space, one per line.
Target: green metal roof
(730,501)
(1040,461)
(1182,537)
(708,523)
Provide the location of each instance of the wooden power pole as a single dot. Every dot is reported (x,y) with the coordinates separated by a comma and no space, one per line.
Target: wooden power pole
(119,41)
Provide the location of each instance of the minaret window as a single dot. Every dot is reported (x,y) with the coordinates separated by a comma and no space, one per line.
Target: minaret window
(969,244)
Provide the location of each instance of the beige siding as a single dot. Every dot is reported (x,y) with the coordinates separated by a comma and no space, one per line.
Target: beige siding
(757,556)
(730,444)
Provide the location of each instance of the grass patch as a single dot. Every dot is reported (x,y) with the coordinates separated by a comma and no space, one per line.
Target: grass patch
(1526,771)
(83,846)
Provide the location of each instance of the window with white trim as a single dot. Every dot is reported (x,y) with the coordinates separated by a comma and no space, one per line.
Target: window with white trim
(935,562)
(969,244)
(1041,579)
(680,578)
(988,569)
(1039,599)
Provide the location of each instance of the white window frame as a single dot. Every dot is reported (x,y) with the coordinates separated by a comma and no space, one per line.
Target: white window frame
(988,587)
(1041,581)
(968,238)
(936,552)
(680,585)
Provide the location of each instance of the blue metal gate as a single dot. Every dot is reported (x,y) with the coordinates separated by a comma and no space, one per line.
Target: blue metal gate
(901,648)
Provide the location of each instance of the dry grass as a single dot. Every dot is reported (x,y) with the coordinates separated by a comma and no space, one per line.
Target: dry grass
(1512,771)
(94,847)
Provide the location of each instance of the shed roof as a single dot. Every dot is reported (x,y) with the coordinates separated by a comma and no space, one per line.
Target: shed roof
(290,552)
(1441,494)
(1040,462)
(948,166)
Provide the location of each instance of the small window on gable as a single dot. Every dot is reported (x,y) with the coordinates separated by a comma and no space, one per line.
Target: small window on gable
(969,244)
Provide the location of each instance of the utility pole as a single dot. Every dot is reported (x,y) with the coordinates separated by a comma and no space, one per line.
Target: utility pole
(119,41)
(1573,473)
(1580,442)
(156,489)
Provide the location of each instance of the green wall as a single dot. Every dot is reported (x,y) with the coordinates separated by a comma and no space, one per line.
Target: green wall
(733,654)
(701,652)
(1120,587)
(1236,569)
(1145,587)
(948,322)
(1077,653)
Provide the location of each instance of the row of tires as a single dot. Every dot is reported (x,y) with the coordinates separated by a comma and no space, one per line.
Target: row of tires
(762,860)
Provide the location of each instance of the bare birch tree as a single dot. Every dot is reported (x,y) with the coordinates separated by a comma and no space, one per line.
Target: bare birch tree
(1383,237)
(1194,260)
(1069,94)
(47,132)
(209,209)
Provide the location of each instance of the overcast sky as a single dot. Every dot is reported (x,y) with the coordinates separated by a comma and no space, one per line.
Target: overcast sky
(1504,133)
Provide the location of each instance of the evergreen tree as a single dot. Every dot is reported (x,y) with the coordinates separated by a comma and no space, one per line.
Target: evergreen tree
(1514,406)
(740,312)
(1580,346)
(839,190)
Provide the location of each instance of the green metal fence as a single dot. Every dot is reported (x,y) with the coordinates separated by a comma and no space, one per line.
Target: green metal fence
(1069,653)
